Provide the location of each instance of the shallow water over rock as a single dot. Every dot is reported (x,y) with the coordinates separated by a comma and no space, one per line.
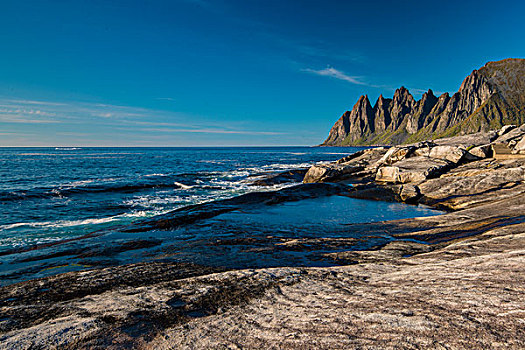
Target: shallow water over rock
(292,227)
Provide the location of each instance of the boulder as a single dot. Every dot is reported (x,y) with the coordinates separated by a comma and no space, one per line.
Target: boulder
(415,169)
(359,164)
(316,173)
(453,154)
(409,193)
(520,146)
(479,152)
(469,187)
(469,141)
(505,129)
(369,155)
(331,172)
(289,176)
(513,134)
(423,148)
(396,153)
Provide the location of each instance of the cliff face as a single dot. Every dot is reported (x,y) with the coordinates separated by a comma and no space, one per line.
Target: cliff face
(487,99)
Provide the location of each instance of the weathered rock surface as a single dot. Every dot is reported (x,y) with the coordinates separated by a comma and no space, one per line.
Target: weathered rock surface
(468,294)
(289,176)
(359,165)
(415,169)
(488,98)
(449,281)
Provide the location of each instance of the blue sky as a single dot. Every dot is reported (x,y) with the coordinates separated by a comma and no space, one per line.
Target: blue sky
(212,73)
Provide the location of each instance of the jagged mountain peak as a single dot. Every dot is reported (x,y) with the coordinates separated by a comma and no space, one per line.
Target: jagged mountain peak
(489,97)
(402,92)
(428,93)
(363,99)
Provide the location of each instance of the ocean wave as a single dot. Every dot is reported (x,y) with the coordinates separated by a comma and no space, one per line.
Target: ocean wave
(24,241)
(276,167)
(183,186)
(82,222)
(66,191)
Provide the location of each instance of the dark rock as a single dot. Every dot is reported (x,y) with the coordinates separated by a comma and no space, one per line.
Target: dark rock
(357,166)
(279,178)
(193,213)
(453,281)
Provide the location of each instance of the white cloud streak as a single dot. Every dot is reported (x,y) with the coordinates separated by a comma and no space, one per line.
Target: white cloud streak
(211,131)
(337,74)
(109,118)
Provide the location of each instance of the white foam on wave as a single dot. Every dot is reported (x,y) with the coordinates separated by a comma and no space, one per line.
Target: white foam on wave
(21,224)
(279,167)
(20,241)
(59,224)
(79,183)
(210,161)
(236,173)
(183,186)
(153,201)
(82,222)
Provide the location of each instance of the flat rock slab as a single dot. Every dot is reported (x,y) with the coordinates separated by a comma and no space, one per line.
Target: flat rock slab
(414,169)
(466,295)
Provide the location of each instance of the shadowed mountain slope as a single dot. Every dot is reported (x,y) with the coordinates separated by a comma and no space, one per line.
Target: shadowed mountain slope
(487,99)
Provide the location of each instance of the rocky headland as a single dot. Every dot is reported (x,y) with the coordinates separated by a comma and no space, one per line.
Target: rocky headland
(451,281)
(489,98)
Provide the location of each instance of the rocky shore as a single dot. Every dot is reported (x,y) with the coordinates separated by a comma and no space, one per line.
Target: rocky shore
(452,281)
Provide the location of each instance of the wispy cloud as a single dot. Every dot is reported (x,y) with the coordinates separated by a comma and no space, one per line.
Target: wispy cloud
(161,124)
(337,74)
(35,102)
(40,112)
(14,114)
(89,120)
(211,131)
(165,99)
(14,134)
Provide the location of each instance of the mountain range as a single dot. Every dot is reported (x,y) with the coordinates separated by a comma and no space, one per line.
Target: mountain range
(488,98)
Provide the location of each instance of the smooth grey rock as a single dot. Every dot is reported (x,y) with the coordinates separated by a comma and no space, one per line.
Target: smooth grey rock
(396,153)
(513,134)
(414,169)
(470,140)
(520,145)
(357,165)
(409,193)
(474,184)
(479,152)
(328,173)
(453,154)
(505,129)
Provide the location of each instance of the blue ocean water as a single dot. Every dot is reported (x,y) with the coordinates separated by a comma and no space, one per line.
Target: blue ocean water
(48,194)
(69,209)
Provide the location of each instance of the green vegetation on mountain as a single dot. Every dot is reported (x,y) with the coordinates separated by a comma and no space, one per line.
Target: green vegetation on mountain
(488,98)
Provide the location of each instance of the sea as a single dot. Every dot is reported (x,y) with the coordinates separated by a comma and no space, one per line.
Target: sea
(53,194)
